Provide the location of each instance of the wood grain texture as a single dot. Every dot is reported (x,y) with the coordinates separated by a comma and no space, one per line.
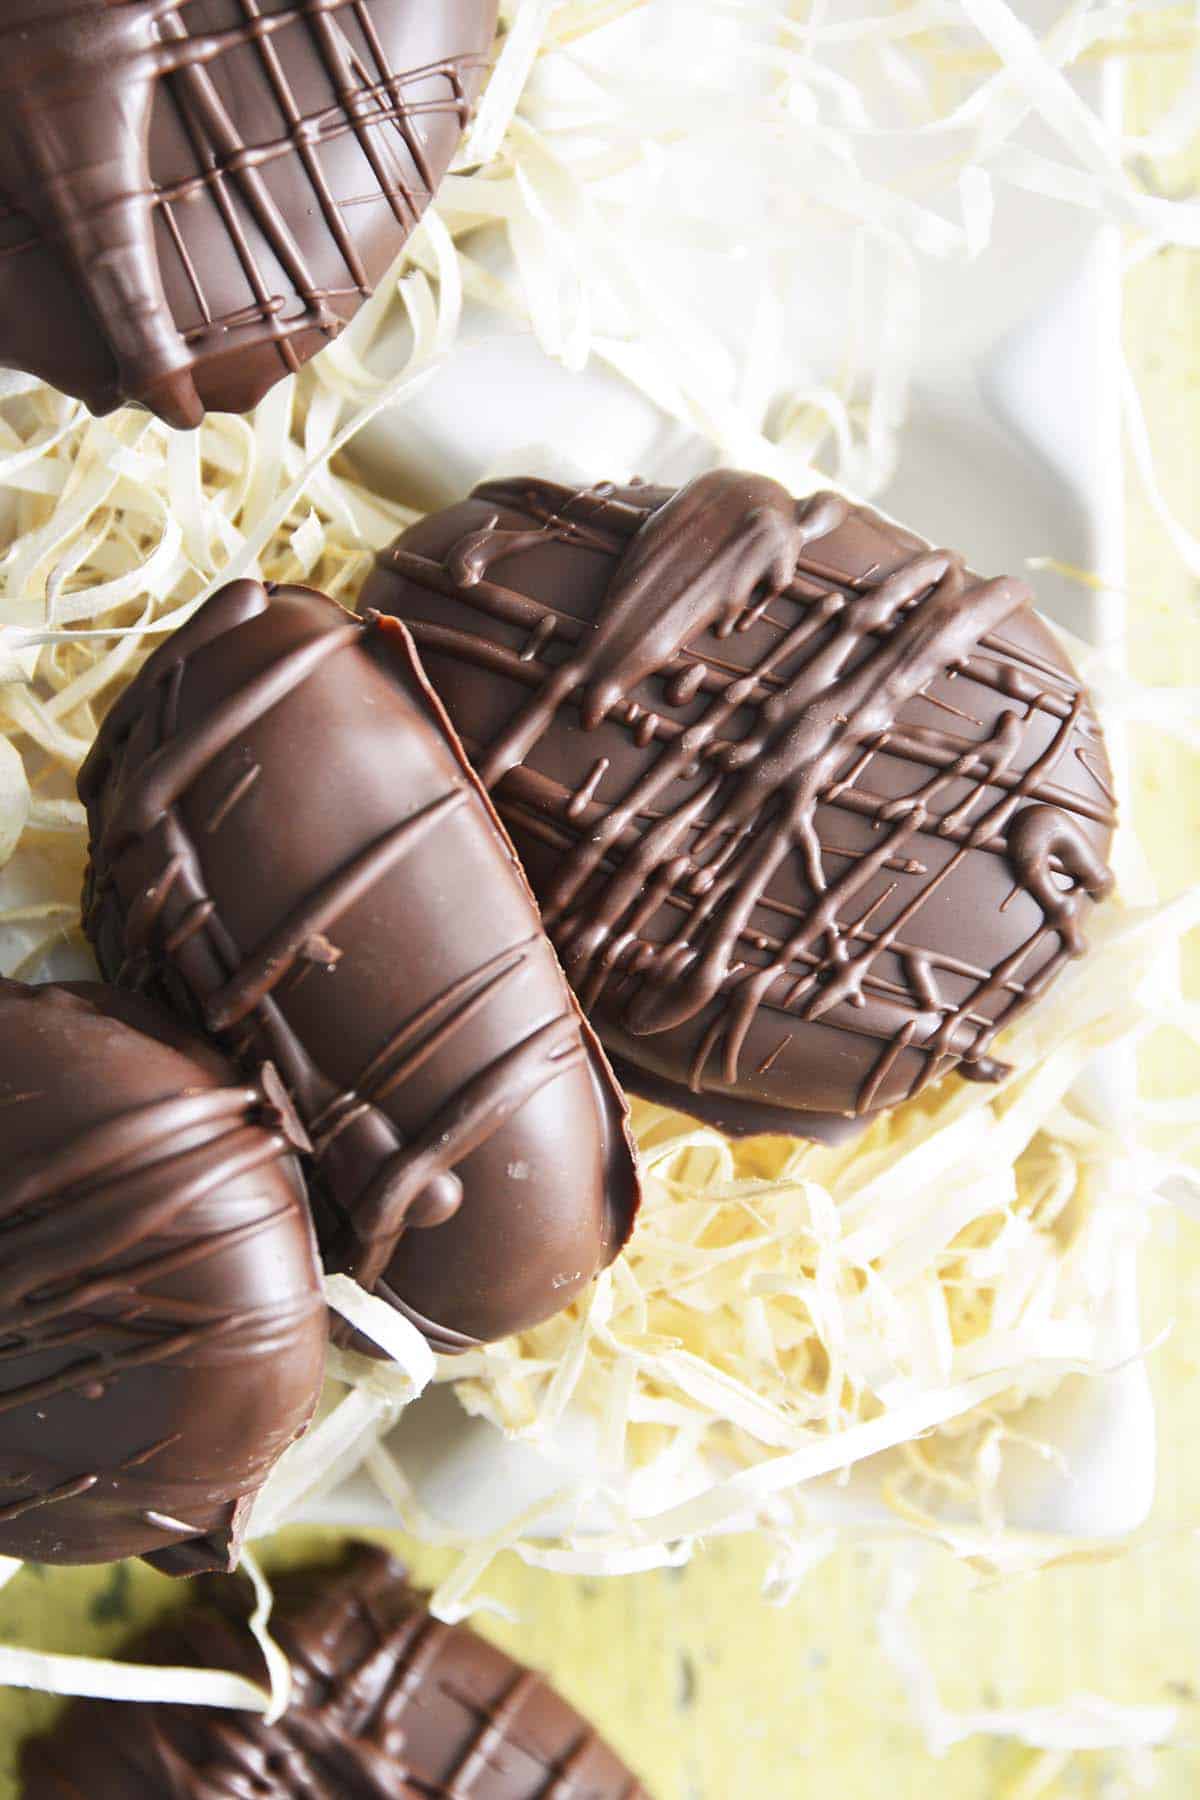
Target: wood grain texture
(708,1692)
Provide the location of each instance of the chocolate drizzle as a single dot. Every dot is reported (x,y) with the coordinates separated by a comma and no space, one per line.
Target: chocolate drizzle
(480,1032)
(139,146)
(388,1704)
(155,1247)
(691,878)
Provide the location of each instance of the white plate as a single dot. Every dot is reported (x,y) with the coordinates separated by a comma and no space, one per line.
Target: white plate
(1012,450)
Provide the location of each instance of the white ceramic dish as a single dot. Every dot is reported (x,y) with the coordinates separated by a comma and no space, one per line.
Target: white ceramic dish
(1012,450)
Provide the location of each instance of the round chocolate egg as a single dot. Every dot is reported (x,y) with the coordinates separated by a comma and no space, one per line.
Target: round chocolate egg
(811,810)
(289,846)
(387,1704)
(197,195)
(162,1326)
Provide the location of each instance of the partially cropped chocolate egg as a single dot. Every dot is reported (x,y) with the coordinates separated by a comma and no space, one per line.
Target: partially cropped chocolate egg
(197,195)
(162,1326)
(812,811)
(288,845)
(387,1704)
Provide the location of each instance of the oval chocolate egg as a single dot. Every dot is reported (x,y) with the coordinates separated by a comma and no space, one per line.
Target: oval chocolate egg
(289,846)
(161,1311)
(811,810)
(199,194)
(387,1703)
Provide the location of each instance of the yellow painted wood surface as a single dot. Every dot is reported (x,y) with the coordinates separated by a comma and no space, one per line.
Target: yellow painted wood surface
(712,1694)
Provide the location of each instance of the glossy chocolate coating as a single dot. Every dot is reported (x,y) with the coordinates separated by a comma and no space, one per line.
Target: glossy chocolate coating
(289,845)
(197,195)
(811,810)
(388,1704)
(160,1302)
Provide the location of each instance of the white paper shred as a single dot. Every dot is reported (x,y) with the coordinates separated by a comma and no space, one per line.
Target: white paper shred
(1186,543)
(456,1597)
(779,1297)
(96,1678)
(411,1358)
(1083,1722)
(332,1449)
(279,1670)
(363,1399)
(14,799)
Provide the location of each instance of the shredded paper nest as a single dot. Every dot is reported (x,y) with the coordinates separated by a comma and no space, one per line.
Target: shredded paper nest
(786,1316)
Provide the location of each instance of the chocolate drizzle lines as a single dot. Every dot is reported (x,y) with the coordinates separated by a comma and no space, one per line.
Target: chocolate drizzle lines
(72,1225)
(387,1702)
(76,167)
(67,1490)
(823,700)
(378,1183)
(237,793)
(95,1235)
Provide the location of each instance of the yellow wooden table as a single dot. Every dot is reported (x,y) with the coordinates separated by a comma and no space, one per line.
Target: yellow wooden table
(711,1693)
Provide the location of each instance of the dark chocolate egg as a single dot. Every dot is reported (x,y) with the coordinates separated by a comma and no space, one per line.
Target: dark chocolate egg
(387,1704)
(162,1326)
(289,846)
(197,195)
(812,811)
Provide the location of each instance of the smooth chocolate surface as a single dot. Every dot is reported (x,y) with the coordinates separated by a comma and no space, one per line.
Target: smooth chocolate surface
(161,1319)
(289,846)
(811,810)
(388,1704)
(197,195)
